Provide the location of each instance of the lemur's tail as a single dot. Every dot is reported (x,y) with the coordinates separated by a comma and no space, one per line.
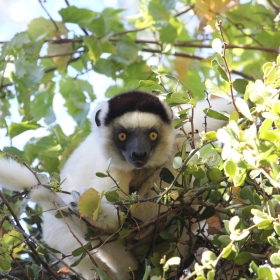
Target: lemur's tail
(17,177)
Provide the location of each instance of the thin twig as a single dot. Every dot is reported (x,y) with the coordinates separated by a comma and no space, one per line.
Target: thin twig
(54,23)
(21,268)
(76,237)
(187,9)
(34,240)
(223,55)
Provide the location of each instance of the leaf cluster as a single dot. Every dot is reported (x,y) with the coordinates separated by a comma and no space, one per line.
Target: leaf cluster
(227,190)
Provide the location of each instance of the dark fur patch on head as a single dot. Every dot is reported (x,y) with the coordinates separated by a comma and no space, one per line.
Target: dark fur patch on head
(135,101)
(97,120)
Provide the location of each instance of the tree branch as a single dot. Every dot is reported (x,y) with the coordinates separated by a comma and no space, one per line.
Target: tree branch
(30,245)
(46,249)
(187,9)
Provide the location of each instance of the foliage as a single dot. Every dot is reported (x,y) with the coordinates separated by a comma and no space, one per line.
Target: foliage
(234,198)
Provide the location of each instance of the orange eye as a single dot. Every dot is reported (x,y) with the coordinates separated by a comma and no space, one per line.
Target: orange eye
(122,136)
(153,136)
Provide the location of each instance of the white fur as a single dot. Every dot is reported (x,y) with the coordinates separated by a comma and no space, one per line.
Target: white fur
(16,177)
(79,171)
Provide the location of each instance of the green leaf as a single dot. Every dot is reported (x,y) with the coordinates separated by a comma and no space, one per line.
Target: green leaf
(166,175)
(259,214)
(41,27)
(246,211)
(157,11)
(269,136)
(112,196)
(243,107)
(127,51)
(225,239)
(240,236)
(77,261)
(155,258)
(168,34)
(94,48)
(208,212)
(265,127)
(88,202)
(101,274)
(265,224)
(177,162)
(275,242)
(230,168)
(41,106)
(276,227)
(96,211)
(180,98)
(155,69)
(168,4)
(234,117)
(60,61)
(215,174)
(5,262)
(265,273)
(76,101)
(246,193)
(106,67)
(167,235)
(276,109)
(243,258)
(171,261)
(215,90)
(18,128)
(208,257)
(211,275)
(83,17)
(98,26)
(147,83)
(226,251)
(176,123)
(275,259)
(124,232)
(210,135)
(240,85)
(218,68)
(19,40)
(101,175)
(78,252)
(235,223)
(215,115)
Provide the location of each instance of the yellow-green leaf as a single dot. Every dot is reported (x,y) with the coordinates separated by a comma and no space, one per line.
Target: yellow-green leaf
(88,202)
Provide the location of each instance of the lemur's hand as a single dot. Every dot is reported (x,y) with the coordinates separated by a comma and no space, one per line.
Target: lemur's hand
(76,195)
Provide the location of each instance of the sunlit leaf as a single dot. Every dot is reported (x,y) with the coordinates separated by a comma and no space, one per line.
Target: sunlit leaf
(218,68)
(88,202)
(18,128)
(215,90)
(243,108)
(217,45)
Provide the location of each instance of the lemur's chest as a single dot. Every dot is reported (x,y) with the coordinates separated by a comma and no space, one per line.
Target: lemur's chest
(137,181)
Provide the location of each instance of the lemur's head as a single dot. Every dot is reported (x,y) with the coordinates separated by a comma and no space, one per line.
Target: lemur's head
(136,131)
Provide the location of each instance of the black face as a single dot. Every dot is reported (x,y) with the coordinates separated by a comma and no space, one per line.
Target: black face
(136,145)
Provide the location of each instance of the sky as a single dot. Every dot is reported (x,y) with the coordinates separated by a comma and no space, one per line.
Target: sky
(15,15)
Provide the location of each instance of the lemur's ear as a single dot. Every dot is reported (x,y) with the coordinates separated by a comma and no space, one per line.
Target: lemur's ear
(97,119)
